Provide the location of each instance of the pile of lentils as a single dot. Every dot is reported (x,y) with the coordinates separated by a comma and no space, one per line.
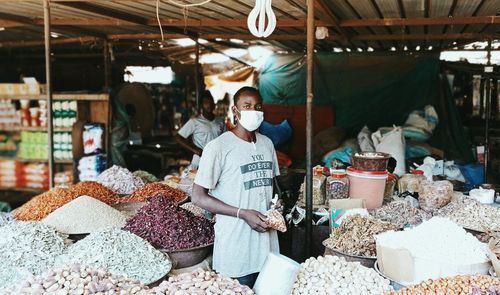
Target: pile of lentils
(154,189)
(121,253)
(167,226)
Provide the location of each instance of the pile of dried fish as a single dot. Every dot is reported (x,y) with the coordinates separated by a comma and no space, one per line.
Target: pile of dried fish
(121,253)
(355,236)
(76,279)
(401,213)
(27,248)
(471,214)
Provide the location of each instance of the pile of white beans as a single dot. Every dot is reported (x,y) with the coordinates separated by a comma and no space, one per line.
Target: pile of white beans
(334,275)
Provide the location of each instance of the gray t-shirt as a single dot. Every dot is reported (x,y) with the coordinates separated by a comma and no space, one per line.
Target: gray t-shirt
(240,174)
(203,131)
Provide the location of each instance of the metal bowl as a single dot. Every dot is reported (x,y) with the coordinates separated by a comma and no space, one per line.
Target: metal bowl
(396,285)
(493,272)
(363,260)
(189,257)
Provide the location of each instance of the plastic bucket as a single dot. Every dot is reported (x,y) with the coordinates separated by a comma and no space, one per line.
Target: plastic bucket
(367,185)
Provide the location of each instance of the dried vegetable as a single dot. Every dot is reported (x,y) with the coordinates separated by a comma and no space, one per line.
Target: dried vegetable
(121,253)
(401,213)
(155,189)
(333,275)
(145,176)
(76,279)
(471,214)
(84,215)
(120,180)
(27,248)
(201,282)
(42,205)
(356,235)
(169,227)
(462,284)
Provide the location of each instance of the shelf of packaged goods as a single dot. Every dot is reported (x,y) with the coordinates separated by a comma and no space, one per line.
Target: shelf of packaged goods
(34,129)
(35,160)
(69,96)
(23,189)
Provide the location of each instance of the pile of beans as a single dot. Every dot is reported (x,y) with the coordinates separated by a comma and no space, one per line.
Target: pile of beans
(76,279)
(201,282)
(462,284)
(356,235)
(167,226)
(333,275)
(42,205)
(155,189)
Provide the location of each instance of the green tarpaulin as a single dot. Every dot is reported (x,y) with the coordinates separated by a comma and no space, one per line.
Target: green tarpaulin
(377,90)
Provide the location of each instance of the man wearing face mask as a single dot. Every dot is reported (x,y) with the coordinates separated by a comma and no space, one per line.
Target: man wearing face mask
(238,168)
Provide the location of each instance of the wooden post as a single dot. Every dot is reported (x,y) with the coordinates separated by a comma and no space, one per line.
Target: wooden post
(309,124)
(48,78)
(197,74)
(487,115)
(107,65)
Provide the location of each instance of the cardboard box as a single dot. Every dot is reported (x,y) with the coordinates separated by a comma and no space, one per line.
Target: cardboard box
(21,89)
(346,204)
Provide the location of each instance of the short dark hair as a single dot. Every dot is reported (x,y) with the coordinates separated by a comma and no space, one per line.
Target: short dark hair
(207,94)
(244,89)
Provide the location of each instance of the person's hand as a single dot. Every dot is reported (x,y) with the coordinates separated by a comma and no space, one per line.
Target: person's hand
(255,220)
(280,204)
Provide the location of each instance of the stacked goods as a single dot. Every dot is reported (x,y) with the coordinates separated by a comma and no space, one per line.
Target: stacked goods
(401,213)
(471,214)
(42,205)
(27,248)
(84,215)
(63,146)
(76,279)
(356,235)
(89,167)
(33,145)
(121,253)
(120,180)
(8,144)
(145,176)
(36,175)
(63,179)
(333,275)
(8,114)
(436,248)
(201,282)
(11,174)
(462,284)
(149,190)
(64,113)
(166,226)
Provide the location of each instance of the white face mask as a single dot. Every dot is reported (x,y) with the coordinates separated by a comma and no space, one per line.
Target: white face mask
(251,120)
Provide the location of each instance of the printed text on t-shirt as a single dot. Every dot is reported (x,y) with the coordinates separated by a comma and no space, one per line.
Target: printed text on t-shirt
(260,171)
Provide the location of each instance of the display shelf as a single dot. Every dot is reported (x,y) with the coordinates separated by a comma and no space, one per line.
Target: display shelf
(35,160)
(59,96)
(35,129)
(23,189)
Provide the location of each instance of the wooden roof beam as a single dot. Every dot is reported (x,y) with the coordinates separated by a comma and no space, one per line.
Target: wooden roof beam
(421,21)
(323,7)
(14,44)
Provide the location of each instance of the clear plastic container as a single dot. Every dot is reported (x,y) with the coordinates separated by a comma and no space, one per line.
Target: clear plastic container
(337,185)
(411,182)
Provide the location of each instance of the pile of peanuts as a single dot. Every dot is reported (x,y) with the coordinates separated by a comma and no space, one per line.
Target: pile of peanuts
(76,279)
(462,284)
(201,282)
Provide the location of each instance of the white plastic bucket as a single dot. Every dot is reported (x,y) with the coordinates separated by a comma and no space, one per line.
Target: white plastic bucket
(367,185)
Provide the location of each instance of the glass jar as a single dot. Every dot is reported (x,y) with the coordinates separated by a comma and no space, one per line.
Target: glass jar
(411,182)
(337,185)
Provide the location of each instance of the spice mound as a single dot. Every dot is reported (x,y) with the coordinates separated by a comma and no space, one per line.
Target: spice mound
(42,205)
(155,189)
(401,213)
(84,215)
(120,180)
(121,253)
(471,214)
(462,284)
(145,176)
(76,279)
(169,227)
(356,235)
(201,282)
(27,248)
(334,275)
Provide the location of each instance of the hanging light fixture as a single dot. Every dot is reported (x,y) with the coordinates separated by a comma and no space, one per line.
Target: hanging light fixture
(262,9)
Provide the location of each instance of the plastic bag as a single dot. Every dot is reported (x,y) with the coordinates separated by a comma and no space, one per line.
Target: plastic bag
(275,220)
(279,133)
(435,195)
(365,141)
(392,143)
(277,276)
(92,138)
